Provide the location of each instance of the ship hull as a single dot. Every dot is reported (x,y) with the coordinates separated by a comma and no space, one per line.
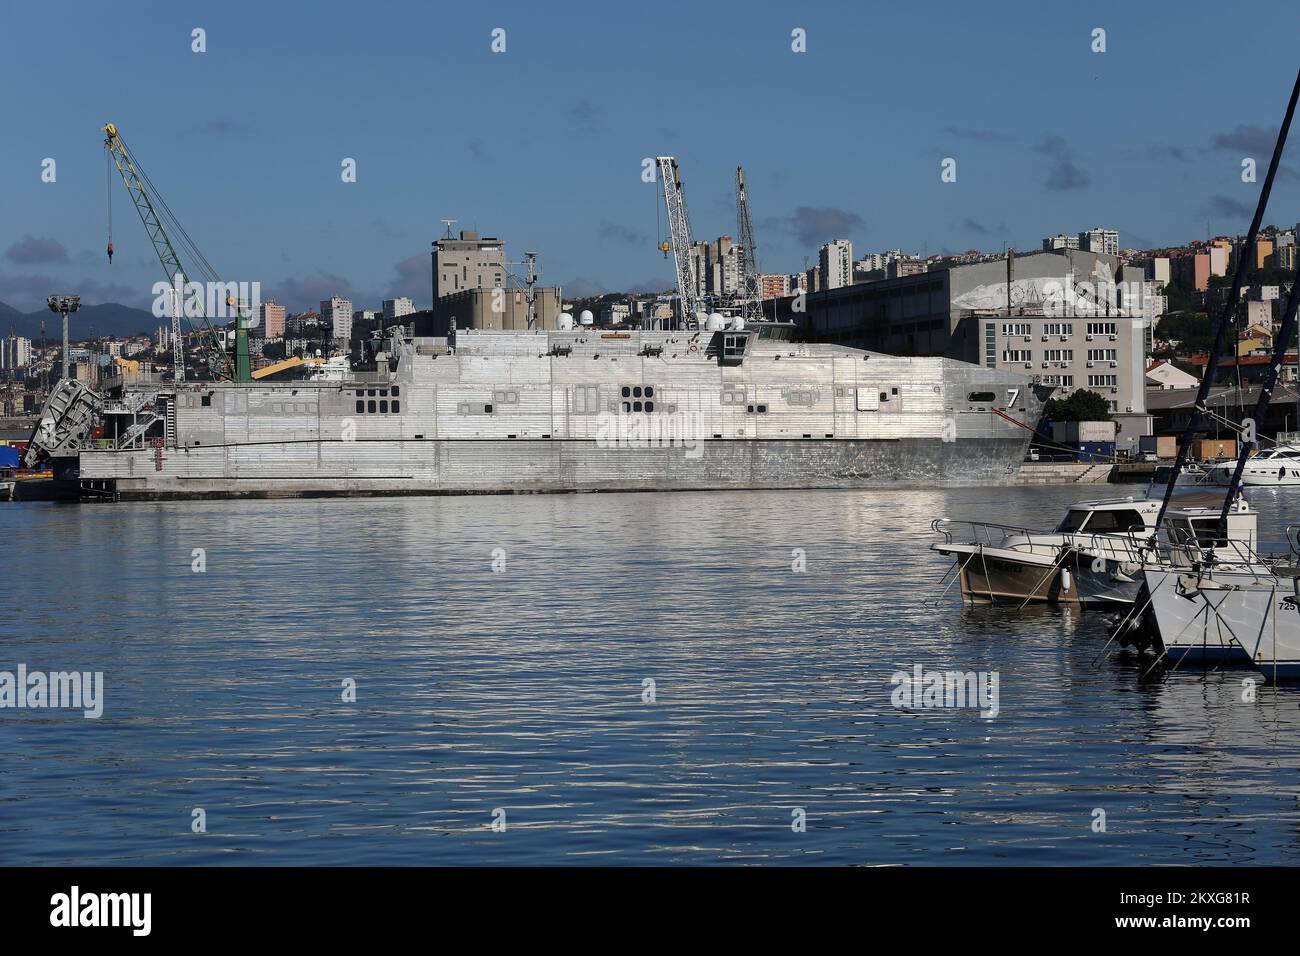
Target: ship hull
(383,467)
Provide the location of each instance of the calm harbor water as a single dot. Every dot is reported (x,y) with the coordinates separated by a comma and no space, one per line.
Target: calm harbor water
(524,690)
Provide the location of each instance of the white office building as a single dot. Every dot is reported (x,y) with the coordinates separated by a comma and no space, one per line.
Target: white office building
(15,353)
(396,308)
(336,314)
(1102,241)
(836,264)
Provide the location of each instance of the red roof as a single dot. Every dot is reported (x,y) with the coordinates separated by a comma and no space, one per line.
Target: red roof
(1289,358)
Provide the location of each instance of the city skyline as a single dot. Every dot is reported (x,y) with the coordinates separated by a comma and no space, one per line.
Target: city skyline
(245,140)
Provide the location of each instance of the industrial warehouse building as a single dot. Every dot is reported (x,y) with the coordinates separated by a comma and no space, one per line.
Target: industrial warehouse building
(1072,319)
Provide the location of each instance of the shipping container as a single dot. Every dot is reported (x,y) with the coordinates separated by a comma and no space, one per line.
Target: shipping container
(1162,446)
(1214,449)
(1096,452)
(1077,433)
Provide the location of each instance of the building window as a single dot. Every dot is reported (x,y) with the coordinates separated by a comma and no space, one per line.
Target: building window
(383,407)
(370,406)
(361,406)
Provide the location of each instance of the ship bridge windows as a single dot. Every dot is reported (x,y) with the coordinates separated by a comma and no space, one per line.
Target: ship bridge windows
(802,396)
(505,397)
(733,348)
(731,395)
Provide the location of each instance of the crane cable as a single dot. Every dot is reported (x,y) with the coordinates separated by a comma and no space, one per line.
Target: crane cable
(108,195)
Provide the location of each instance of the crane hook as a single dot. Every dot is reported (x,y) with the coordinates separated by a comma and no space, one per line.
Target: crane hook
(110,253)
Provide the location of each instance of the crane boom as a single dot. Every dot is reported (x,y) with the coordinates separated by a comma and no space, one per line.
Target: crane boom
(679,226)
(134,177)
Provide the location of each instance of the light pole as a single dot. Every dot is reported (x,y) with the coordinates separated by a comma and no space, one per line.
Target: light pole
(64,305)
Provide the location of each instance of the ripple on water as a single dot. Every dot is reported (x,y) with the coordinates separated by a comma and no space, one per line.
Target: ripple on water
(523,691)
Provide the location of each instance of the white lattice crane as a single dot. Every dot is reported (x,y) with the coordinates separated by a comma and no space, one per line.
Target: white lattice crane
(751,292)
(682,243)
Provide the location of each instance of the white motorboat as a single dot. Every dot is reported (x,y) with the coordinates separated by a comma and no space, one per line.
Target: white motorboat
(1190,523)
(1276,466)
(1006,564)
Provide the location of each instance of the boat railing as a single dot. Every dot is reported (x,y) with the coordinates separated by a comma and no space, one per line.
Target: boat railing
(991,534)
(1123,545)
(984,533)
(1226,555)
(1293,539)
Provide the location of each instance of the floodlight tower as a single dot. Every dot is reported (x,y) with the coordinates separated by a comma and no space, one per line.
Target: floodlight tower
(64,305)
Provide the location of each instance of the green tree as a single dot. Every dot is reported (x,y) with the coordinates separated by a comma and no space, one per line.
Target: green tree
(1081,406)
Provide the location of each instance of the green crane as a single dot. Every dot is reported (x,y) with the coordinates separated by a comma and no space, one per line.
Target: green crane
(144,195)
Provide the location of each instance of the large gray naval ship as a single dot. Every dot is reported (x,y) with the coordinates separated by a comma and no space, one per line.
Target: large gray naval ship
(578,409)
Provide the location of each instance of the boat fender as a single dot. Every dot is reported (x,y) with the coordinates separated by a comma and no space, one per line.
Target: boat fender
(1065,579)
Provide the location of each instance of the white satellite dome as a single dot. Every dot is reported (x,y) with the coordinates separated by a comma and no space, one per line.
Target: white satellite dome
(586,318)
(737,323)
(564,321)
(715,323)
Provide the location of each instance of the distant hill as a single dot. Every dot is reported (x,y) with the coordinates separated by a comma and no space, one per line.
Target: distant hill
(107,318)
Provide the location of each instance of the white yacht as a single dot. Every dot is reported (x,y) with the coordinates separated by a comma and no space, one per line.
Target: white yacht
(1276,466)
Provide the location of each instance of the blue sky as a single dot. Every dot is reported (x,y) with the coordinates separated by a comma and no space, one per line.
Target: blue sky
(542,145)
